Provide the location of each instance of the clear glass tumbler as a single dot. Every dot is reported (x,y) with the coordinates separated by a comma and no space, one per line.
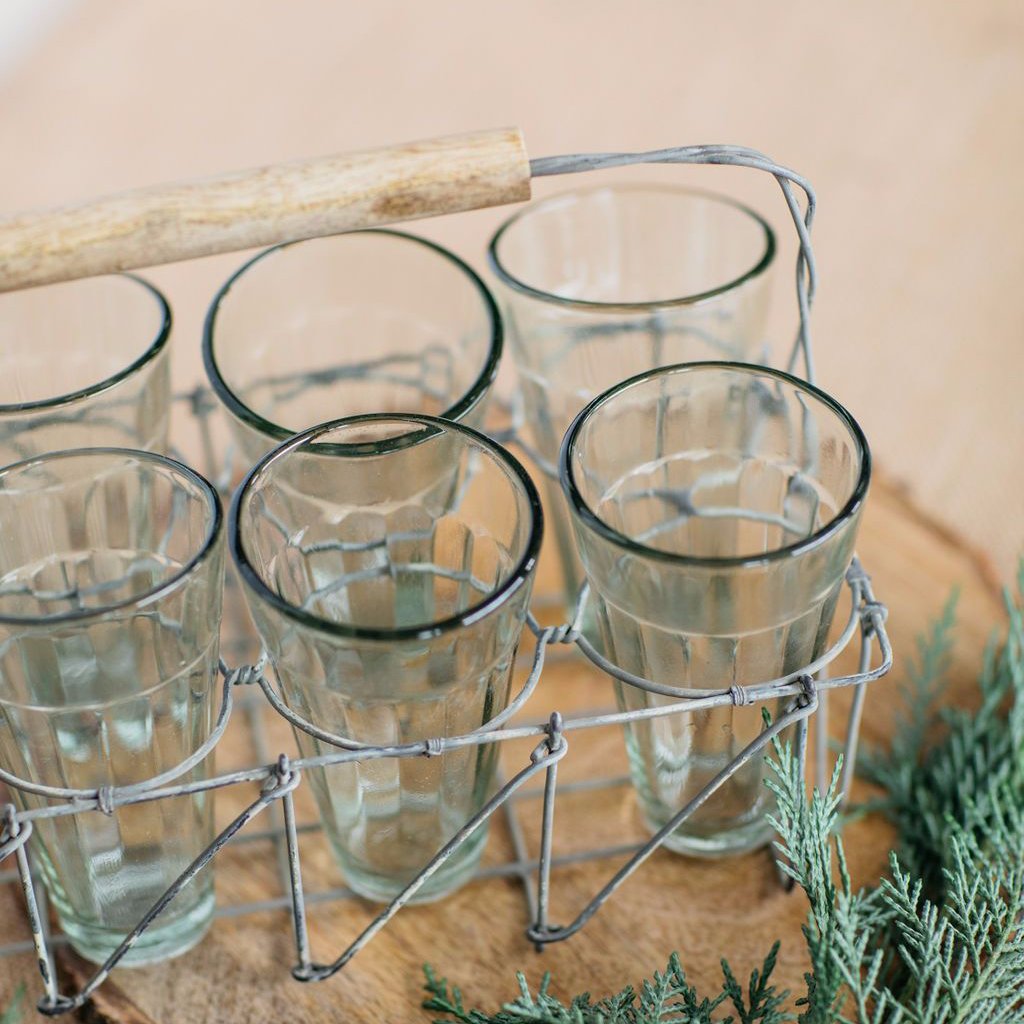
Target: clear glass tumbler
(83,363)
(715,507)
(363,322)
(601,284)
(111,572)
(388,562)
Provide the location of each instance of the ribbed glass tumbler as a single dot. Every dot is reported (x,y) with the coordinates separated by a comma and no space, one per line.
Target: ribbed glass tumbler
(83,363)
(715,507)
(111,575)
(363,322)
(388,562)
(605,283)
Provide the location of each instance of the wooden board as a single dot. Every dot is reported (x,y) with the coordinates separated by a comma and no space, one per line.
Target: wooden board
(703,909)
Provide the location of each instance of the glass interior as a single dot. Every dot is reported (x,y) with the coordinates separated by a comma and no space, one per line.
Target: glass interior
(715,462)
(717,466)
(88,534)
(633,244)
(63,338)
(110,593)
(370,321)
(369,526)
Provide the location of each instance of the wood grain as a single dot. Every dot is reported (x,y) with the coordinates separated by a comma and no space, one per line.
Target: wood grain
(703,909)
(264,206)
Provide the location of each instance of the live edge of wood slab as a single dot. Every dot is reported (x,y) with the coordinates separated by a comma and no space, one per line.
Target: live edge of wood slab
(705,910)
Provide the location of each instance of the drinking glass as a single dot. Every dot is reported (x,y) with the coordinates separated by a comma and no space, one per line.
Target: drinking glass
(715,507)
(388,562)
(601,284)
(111,570)
(368,321)
(83,363)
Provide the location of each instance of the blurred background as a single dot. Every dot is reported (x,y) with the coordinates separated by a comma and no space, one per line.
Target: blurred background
(907,115)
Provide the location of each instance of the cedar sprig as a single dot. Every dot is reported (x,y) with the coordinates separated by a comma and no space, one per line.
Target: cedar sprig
(12,1015)
(939,941)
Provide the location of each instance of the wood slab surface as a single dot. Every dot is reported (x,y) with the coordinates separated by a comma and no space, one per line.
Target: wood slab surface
(702,909)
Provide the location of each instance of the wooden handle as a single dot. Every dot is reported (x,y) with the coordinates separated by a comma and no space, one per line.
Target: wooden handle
(264,206)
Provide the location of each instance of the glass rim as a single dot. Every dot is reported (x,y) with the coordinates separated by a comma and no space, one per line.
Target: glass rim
(596,306)
(465,404)
(594,522)
(494,599)
(155,347)
(214,530)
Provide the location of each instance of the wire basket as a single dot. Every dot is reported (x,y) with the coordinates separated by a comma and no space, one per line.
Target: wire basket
(804,694)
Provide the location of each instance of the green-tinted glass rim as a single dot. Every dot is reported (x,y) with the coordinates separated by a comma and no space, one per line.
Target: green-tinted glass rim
(595,523)
(494,600)
(594,306)
(215,527)
(477,390)
(155,347)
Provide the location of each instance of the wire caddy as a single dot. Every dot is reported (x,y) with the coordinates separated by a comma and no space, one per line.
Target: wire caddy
(805,692)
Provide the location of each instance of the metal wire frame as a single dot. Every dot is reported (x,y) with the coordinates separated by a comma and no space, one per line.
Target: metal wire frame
(279,779)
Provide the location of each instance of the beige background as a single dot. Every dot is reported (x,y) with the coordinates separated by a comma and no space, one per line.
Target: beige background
(908,117)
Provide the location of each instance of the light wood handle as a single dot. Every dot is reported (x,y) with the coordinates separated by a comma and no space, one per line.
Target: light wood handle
(264,206)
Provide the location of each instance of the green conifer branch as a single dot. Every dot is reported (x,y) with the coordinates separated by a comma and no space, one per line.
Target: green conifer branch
(12,1015)
(941,940)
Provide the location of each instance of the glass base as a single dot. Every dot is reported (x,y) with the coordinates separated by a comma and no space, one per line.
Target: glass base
(160,941)
(711,844)
(452,875)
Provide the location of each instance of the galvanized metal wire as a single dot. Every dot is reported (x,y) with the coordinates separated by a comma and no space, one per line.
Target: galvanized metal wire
(278,778)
